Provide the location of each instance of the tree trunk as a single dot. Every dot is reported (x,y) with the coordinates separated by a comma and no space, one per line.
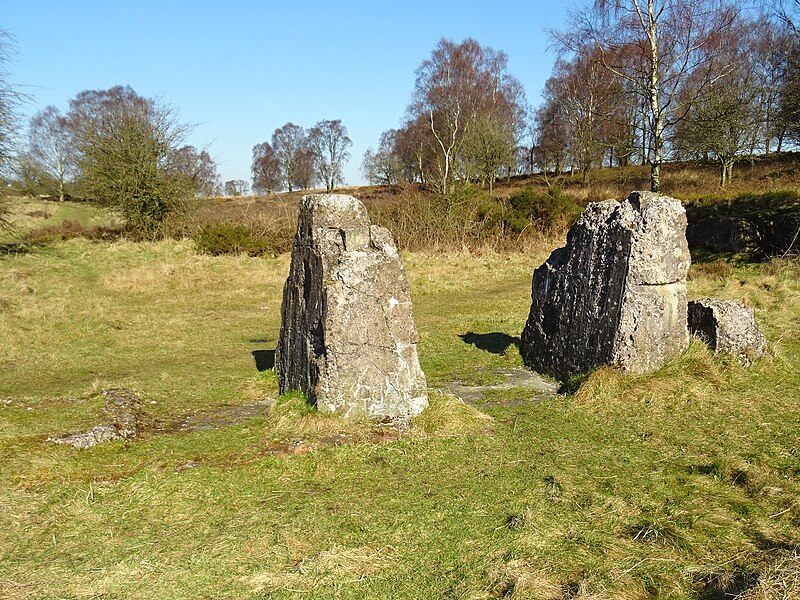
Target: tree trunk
(60,168)
(726,171)
(655,106)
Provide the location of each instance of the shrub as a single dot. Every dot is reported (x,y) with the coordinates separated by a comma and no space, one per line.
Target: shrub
(230,238)
(71,229)
(548,210)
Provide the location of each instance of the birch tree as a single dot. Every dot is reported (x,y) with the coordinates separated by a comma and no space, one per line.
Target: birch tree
(290,146)
(654,45)
(328,143)
(457,86)
(10,101)
(51,148)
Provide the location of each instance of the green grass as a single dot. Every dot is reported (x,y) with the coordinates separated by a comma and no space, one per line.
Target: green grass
(28,214)
(671,485)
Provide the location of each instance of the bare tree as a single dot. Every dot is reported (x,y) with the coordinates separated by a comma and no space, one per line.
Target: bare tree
(290,147)
(328,143)
(236,187)
(10,101)
(655,45)
(383,166)
(415,146)
(770,54)
(589,99)
(789,94)
(456,86)
(724,122)
(199,168)
(550,137)
(266,170)
(51,148)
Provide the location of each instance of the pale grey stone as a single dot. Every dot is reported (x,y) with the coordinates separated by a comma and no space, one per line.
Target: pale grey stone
(348,339)
(122,408)
(615,294)
(728,326)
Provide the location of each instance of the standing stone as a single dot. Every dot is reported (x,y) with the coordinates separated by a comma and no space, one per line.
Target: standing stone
(347,338)
(615,294)
(728,326)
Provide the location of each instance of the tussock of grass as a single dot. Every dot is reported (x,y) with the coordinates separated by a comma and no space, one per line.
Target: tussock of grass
(448,416)
(256,389)
(518,579)
(292,415)
(693,376)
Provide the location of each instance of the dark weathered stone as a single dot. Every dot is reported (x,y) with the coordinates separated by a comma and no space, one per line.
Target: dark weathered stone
(615,294)
(348,339)
(727,326)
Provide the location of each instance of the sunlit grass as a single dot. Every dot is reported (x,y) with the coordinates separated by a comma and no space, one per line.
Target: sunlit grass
(682,483)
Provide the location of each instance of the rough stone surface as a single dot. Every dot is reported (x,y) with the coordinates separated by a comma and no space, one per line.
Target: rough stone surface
(728,326)
(615,294)
(122,407)
(348,339)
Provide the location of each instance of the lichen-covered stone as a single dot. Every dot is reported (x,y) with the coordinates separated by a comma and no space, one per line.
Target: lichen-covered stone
(615,294)
(348,339)
(122,408)
(727,326)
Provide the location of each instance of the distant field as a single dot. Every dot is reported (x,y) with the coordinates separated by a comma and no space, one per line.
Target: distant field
(28,214)
(680,484)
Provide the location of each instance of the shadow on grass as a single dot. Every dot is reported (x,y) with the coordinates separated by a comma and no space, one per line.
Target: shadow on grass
(265,359)
(17,248)
(750,227)
(496,343)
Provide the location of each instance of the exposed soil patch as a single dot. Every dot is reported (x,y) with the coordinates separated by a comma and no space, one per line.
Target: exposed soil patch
(514,379)
(225,416)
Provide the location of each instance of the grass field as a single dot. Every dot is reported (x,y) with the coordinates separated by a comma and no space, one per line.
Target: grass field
(679,484)
(675,484)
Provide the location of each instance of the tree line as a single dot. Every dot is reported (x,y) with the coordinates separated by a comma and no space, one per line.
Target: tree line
(296,158)
(636,81)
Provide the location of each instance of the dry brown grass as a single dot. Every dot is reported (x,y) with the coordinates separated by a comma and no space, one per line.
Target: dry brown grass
(449,416)
(778,578)
(693,376)
(336,565)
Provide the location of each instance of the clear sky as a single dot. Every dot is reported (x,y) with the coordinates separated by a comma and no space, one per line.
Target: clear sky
(241,69)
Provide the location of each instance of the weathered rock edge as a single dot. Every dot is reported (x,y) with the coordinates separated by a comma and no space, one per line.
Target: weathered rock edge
(728,326)
(615,294)
(122,408)
(348,339)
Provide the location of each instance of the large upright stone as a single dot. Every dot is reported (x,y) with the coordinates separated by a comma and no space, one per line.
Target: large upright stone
(347,338)
(615,294)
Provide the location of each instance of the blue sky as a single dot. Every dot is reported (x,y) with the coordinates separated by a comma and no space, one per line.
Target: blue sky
(241,69)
